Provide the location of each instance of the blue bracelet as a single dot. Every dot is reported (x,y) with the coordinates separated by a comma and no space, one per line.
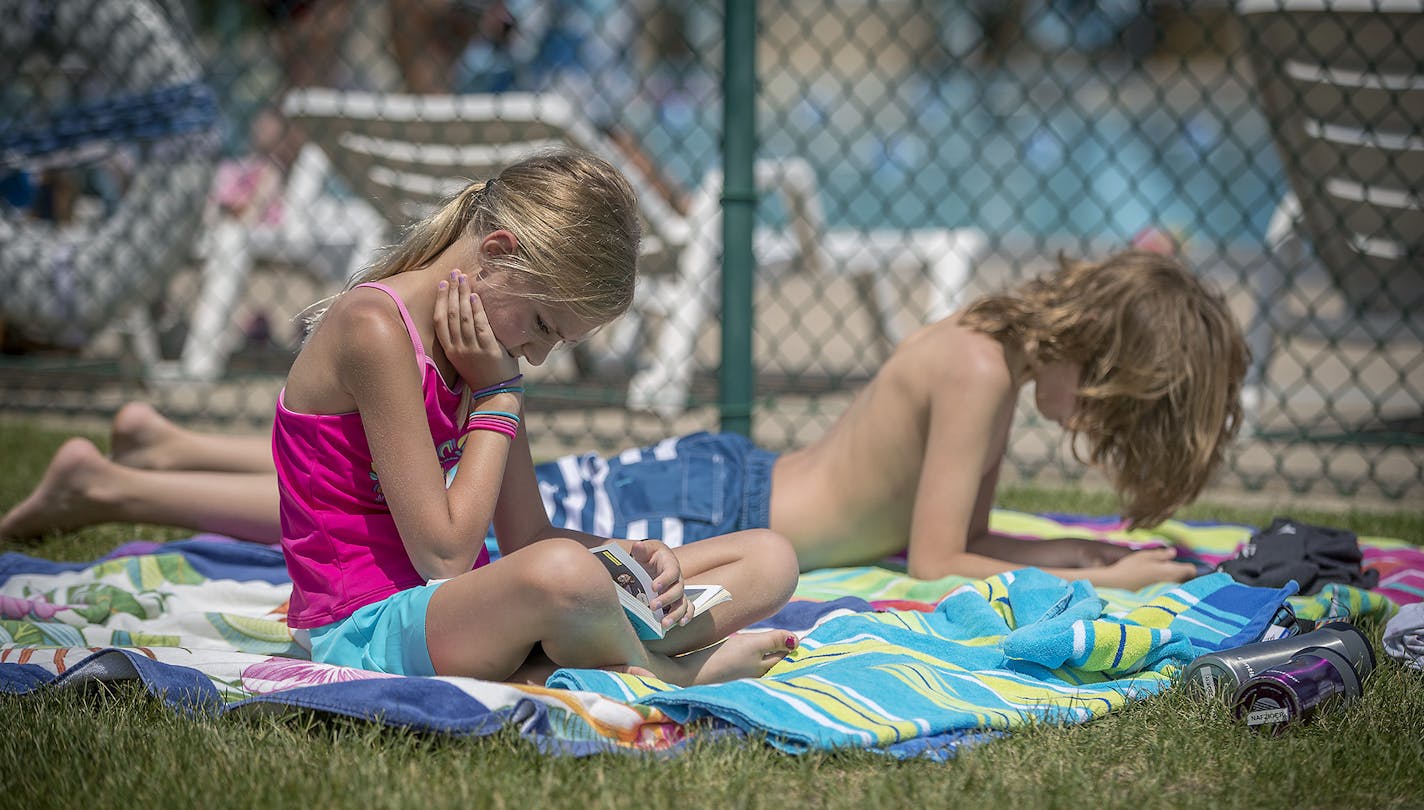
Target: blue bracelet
(507,385)
(514,389)
(506,414)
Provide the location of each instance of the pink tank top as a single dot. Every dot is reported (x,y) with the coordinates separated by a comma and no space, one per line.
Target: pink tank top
(339,538)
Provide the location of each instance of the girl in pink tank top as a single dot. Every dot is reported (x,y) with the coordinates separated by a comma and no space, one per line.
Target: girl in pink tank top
(400,440)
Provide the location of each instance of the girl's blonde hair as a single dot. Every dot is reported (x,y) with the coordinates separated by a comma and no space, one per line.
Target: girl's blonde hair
(1163,361)
(576,220)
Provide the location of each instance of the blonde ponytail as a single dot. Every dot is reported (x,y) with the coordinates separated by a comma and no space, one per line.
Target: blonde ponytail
(576,221)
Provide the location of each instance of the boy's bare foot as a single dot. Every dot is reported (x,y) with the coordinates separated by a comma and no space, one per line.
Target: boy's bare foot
(137,436)
(65,497)
(743,655)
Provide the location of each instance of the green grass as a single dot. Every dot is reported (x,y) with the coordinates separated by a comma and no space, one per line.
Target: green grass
(64,748)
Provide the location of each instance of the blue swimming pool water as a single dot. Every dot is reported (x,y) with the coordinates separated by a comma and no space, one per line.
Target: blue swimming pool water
(931,152)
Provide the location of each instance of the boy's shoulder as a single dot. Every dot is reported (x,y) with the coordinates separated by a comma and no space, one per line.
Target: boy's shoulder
(945,352)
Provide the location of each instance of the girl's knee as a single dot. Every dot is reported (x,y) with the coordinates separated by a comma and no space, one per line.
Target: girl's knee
(776,546)
(566,572)
(789,565)
(773,556)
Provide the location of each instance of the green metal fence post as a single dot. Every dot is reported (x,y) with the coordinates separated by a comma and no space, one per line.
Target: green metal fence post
(736,377)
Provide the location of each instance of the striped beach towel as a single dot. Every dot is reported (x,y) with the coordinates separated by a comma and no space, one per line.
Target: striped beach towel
(993,655)
(202,624)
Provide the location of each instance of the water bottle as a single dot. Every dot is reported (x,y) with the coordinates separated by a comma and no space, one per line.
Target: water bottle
(1293,691)
(1223,673)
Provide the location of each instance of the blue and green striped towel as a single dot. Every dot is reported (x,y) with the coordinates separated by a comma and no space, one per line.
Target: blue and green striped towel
(995,654)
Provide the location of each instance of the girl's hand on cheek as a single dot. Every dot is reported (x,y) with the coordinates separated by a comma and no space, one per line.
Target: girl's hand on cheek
(464,332)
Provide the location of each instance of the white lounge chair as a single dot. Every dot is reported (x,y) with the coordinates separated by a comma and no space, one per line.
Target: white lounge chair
(879,261)
(318,233)
(406,152)
(1341,85)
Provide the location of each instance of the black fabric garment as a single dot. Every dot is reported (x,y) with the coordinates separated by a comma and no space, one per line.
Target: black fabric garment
(1310,555)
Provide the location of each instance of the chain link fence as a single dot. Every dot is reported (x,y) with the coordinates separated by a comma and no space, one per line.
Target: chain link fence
(182,178)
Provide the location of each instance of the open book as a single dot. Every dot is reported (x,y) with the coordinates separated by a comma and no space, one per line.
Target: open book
(635,591)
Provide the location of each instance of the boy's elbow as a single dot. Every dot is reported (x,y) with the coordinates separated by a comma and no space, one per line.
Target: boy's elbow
(946,565)
(929,569)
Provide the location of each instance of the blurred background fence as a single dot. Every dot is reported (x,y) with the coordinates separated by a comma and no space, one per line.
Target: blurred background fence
(182,177)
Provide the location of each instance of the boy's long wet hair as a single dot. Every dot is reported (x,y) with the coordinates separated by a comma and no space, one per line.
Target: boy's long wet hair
(1163,360)
(576,220)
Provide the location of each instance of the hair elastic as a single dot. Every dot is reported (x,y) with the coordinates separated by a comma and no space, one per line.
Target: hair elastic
(494,425)
(508,385)
(489,392)
(502,422)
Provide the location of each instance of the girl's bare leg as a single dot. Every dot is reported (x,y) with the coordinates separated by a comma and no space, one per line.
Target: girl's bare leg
(141,437)
(553,594)
(83,488)
(557,596)
(759,568)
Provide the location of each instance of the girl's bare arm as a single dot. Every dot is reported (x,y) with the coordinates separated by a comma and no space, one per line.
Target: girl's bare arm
(520,520)
(442,529)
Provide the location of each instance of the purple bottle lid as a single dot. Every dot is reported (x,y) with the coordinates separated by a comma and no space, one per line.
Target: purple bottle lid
(1293,690)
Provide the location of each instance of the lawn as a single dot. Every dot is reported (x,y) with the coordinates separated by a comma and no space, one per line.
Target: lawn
(1176,750)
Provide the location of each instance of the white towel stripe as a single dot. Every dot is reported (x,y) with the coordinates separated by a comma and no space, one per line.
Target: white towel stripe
(574,498)
(811,712)
(602,504)
(672,532)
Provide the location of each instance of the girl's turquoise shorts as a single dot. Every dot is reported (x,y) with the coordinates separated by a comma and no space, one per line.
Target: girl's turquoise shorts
(385,636)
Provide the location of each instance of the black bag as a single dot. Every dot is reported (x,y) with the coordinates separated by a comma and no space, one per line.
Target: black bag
(1310,555)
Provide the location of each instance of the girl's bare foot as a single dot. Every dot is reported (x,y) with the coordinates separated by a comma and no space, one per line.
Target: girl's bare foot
(137,436)
(65,497)
(743,655)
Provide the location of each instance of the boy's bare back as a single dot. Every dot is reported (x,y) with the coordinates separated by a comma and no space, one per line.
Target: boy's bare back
(915,456)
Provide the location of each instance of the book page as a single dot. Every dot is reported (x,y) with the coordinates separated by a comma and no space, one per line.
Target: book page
(629,576)
(703,597)
(635,591)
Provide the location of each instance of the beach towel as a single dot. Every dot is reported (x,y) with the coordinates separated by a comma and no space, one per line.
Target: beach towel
(998,654)
(1404,636)
(202,624)
(950,663)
